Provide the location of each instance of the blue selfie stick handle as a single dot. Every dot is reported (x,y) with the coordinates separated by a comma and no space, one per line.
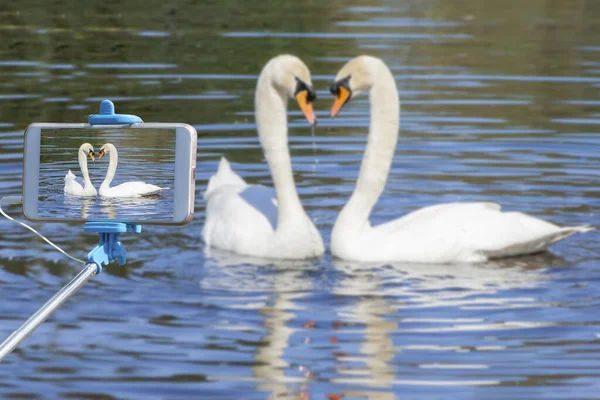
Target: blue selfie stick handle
(110,247)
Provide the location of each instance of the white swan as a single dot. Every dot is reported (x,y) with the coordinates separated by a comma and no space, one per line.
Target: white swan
(75,188)
(445,233)
(127,189)
(253,219)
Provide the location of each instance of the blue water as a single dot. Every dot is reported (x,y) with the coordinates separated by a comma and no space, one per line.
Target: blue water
(499,103)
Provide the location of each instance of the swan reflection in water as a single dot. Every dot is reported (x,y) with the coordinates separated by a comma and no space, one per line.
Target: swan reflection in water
(371,286)
(369,308)
(111,208)
(86,207)
(284,283)
(385,298)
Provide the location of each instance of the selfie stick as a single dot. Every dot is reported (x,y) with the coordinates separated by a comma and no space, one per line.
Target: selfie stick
(109,248)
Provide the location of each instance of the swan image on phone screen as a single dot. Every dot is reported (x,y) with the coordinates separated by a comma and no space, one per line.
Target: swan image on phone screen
(112,173)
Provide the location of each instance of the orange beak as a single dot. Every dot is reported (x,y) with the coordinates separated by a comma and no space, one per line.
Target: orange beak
(340,101)
(92,156)
(100,154)
(306,107)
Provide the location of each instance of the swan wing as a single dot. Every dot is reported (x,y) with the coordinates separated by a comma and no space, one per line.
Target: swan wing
(70,176)
(224,176)
(72,186)
(241,218)
(131,189)
(432,214)
(469,232)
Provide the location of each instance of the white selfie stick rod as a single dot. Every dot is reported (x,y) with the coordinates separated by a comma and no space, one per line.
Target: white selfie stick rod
(47,310)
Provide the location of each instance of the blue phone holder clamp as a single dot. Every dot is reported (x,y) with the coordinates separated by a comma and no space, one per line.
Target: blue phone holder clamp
(110,247)
(107,116)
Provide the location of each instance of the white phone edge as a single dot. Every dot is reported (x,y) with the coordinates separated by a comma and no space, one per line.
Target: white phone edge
(185,170)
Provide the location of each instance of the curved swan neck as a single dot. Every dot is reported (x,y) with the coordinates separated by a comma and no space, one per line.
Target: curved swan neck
(83,165)
(112,166)
(381,145)
(271,122)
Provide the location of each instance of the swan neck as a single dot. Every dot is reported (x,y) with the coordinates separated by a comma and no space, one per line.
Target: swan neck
(83,165)
(112,167)
(381,145)
(271,122)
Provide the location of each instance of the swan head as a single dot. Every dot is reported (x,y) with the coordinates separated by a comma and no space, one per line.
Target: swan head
(291,77)
(105,149)
(356,76)
(87,149)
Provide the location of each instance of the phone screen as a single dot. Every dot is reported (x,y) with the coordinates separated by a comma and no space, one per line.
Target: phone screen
(107,173)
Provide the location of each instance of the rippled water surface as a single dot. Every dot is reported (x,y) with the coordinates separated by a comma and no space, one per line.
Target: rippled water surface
(500,102)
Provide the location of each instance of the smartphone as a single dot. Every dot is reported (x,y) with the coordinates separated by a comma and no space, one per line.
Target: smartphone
(141,173)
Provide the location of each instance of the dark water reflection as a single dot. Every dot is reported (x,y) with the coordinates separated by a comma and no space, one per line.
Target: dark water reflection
(499,103)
